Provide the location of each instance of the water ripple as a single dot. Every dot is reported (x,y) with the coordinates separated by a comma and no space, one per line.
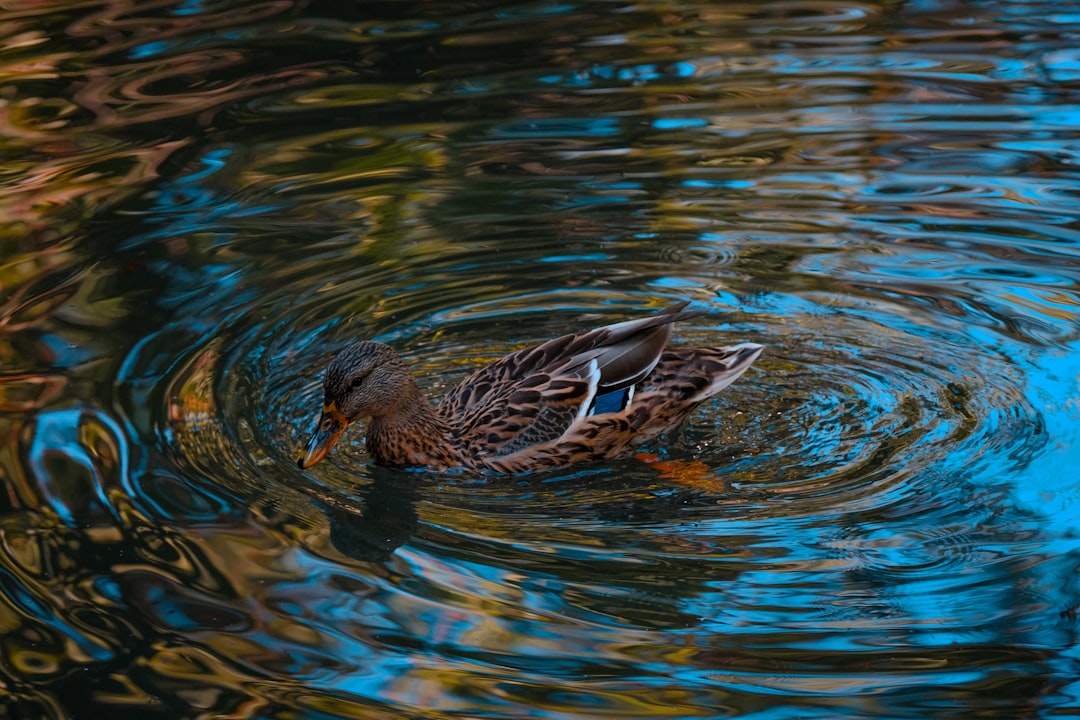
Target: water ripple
(203,202)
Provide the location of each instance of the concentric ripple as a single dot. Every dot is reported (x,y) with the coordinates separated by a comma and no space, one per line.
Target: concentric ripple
(203,202)
(854,401)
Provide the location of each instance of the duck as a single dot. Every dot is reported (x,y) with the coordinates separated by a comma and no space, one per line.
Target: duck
(581,398)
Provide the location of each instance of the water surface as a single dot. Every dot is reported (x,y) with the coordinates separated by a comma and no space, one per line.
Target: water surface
(201,202)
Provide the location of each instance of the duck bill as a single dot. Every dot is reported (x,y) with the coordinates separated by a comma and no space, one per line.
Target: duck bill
(331,424)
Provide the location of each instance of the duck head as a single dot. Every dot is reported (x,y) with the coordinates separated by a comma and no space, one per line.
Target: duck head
(366,379)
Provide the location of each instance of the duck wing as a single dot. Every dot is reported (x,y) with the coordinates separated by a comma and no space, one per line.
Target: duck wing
(535,395)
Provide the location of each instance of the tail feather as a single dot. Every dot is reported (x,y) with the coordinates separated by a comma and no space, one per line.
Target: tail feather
(730,363)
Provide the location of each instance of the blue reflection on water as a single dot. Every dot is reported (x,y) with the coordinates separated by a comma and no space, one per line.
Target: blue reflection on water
(1043,484)
(559,127)
(893,508)
(192,205)
(66,456)
(671,123)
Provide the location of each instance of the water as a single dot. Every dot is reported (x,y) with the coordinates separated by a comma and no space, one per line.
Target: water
(201,202)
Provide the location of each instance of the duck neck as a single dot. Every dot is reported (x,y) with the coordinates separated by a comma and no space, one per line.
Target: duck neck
(410,435)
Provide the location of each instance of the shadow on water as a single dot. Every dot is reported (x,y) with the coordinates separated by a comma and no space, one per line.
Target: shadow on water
(375,523)
(203,201)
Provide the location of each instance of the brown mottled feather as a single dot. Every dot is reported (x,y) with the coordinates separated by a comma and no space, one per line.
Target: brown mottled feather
(529,410)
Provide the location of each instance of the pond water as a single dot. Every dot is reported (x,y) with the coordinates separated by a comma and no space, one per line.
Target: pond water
(202,201)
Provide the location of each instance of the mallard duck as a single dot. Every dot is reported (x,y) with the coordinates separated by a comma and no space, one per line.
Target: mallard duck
(578,398)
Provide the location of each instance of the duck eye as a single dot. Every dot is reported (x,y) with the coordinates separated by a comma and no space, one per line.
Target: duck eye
(357,381)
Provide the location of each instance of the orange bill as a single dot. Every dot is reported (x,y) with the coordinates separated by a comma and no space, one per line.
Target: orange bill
(331,424)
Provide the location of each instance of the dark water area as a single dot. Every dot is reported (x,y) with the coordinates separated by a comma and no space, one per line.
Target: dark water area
(200,202)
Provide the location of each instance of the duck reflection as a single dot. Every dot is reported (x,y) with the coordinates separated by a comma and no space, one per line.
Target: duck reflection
(371,524)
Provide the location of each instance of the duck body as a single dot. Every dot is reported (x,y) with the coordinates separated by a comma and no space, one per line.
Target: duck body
(579,398)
